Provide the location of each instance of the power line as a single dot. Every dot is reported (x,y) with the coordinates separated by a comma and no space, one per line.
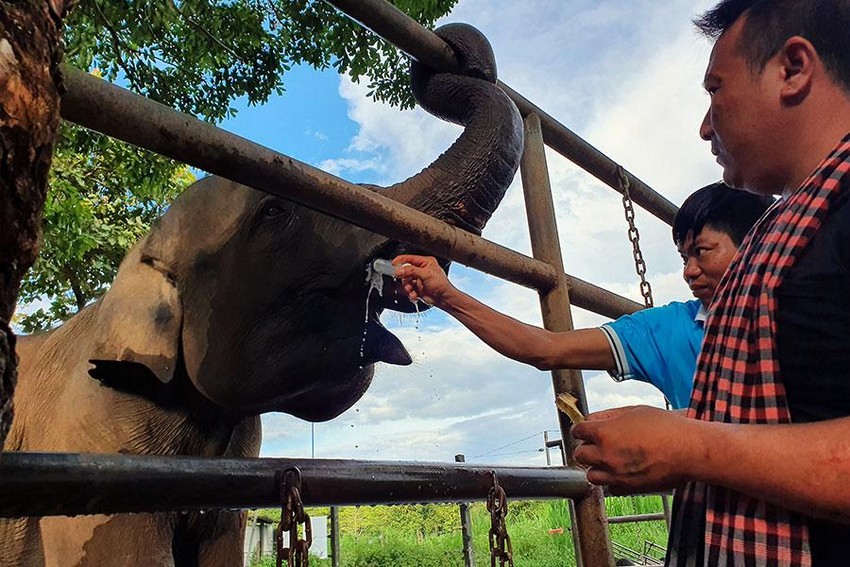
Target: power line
(535,451)
(508,445)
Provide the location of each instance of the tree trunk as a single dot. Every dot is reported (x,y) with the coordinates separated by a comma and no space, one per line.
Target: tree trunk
(30,86)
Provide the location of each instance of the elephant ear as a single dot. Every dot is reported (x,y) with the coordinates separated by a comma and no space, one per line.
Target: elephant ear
(139,320)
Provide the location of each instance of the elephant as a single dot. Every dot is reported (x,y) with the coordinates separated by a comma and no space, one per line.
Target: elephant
(237,303)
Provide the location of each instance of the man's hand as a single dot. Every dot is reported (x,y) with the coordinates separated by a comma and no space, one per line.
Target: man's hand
(637,449)
(424,279)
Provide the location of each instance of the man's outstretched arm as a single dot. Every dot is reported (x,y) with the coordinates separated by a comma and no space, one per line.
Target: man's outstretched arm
(586,348)
(803,467)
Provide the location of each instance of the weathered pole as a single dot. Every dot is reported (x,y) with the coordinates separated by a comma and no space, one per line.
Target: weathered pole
(30,87)
(589,518)
(423,45)
(61,484)
(111,110)
(465,526)
(334,536)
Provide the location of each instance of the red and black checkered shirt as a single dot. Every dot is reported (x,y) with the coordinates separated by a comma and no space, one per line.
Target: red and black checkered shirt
(738,380)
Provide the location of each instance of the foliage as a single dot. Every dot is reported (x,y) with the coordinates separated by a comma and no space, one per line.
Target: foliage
(198,55)
(381,536)
(418,520)
(104,195)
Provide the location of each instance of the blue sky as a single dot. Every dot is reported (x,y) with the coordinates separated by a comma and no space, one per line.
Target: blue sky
(308,121)
(625,75)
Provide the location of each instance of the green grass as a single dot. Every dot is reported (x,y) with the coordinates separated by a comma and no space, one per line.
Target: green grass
(430,536)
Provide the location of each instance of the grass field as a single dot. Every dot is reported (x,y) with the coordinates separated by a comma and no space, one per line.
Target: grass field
(430,535)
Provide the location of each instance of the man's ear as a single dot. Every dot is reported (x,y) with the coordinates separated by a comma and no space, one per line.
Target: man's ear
(138,320)
(798,58)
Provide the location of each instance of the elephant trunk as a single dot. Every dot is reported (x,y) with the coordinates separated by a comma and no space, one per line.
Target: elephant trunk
(467,182)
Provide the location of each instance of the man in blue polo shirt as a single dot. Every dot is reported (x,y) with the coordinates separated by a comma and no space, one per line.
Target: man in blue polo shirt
(657,345)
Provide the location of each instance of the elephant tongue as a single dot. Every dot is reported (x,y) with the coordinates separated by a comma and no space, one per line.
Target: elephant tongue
(383,346)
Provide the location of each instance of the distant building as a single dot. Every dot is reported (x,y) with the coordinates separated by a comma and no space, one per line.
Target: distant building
(259,537)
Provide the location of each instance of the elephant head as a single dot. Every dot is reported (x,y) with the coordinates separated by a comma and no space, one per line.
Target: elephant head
(261,303)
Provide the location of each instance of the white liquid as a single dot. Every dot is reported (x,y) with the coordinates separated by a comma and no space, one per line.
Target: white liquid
(375,272)
(375,279)
(384,267)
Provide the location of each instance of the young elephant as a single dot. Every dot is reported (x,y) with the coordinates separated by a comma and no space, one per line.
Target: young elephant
(238,303)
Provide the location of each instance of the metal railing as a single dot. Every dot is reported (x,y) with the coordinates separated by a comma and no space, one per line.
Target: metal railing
(59,484)
(42,484)
(423,45)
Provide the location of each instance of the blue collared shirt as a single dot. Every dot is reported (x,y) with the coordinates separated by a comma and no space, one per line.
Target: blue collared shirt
(659,346)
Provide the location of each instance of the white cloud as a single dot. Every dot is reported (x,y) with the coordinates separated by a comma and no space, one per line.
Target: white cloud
(349,166)
(321,136)
(624,75)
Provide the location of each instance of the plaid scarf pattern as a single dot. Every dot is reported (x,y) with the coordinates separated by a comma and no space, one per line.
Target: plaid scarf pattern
(738,380)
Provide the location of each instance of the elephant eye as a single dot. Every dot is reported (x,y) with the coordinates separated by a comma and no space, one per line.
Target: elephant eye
(273,211)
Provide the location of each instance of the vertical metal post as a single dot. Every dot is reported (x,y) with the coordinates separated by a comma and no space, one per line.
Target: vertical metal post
(546,448)
(590,521)
(335,536)
(665,503)
(466,526)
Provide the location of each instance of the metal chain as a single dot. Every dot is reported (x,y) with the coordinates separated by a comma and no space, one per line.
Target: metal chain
(634,236)
(500,541)
(291,515)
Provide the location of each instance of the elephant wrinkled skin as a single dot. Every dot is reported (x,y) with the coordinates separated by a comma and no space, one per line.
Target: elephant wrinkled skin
(238,303)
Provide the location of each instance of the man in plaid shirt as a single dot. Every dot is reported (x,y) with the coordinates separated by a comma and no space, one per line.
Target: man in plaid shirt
(762,458)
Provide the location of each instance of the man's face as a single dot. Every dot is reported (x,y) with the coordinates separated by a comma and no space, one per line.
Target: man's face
(741,119)
(706,258)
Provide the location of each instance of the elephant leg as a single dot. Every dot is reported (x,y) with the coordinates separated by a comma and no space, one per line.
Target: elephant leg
(20,543)
(211,539)
(98,540)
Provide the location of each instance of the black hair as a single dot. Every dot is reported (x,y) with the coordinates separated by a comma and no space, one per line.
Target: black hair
(825,23)
(721,208)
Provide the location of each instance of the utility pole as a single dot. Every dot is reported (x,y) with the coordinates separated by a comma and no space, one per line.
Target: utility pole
(465,525)
(334,536)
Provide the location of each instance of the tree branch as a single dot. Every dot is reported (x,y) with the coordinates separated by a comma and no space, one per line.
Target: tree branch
(79,296)
(117,44)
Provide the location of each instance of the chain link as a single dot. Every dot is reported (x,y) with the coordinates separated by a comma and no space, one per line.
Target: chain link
(292,514)
(634,236)
(500,541)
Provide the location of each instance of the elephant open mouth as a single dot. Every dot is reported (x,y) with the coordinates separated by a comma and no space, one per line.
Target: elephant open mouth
(392,295)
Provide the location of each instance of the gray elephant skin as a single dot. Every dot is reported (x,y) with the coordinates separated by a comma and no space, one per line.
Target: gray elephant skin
(238,303)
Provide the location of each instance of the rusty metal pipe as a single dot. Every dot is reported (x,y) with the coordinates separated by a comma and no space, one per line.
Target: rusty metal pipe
(102,106)
(599,300)
(423,45)
(582,153)
(658,517)
(51,484)
(588,513)
(107,108)
(390,23)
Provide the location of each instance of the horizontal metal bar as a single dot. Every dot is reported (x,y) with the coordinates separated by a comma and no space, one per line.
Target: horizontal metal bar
(51,484)
(658,517)
(582,153)
(599,300)
(117,112)
(102,106)
(423,45)
(390,23)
